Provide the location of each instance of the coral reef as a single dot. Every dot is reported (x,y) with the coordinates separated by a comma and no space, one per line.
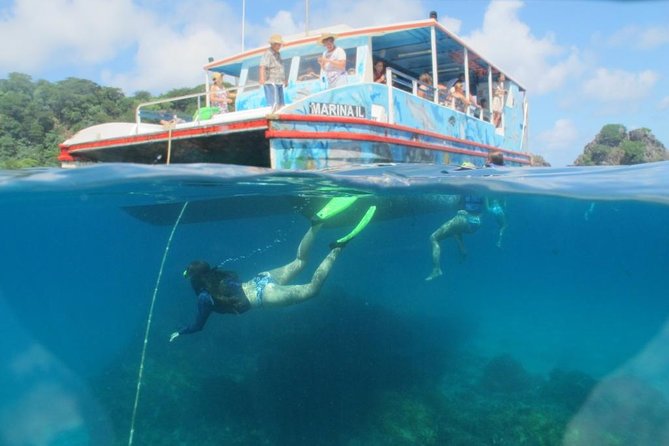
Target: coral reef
(341,373)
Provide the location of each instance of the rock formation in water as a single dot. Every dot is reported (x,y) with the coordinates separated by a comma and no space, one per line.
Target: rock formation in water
(538,161)
(614,145)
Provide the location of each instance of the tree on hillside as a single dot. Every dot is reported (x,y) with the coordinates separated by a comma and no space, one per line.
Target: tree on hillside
(614,145)
(36,116)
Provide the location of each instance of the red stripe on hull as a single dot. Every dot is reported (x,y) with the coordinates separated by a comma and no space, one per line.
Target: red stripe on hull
(294,134)
(369,122)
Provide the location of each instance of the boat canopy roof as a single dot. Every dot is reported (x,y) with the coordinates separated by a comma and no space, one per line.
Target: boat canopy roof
(405,46)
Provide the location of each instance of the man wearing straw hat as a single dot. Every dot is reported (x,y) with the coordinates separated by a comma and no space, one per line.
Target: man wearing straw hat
(333,61)
(271,73)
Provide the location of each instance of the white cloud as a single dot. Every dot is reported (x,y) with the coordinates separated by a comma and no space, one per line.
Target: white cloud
(168,45)
(619,86)
(171,49)
(654,37)
(283,23)
(451,24)
(646,38)
(165,60)
(62,32)
(560,144)
(540,64)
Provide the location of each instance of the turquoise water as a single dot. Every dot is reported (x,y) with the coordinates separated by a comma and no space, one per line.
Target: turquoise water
(556,337)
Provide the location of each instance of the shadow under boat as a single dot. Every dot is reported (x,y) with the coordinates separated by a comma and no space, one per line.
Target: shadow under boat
(241,207)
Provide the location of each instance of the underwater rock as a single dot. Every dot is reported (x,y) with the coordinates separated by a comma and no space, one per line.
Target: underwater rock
(504,374)
(407,420)
(568,389)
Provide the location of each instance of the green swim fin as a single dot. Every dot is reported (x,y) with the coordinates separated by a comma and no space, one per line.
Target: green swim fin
(364,221)
(335,206)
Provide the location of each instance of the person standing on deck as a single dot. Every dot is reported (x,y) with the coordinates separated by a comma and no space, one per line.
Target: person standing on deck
(271,74)
(499,96)
(218,94)
(333,61)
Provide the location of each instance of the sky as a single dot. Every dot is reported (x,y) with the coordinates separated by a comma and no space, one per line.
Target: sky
(584,63)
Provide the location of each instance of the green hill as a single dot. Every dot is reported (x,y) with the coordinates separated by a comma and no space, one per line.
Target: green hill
(36,116)
(614,145)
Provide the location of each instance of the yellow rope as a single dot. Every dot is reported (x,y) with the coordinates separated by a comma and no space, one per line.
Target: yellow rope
(148,326)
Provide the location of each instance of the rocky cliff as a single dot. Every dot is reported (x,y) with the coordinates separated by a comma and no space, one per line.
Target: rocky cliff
(614,145)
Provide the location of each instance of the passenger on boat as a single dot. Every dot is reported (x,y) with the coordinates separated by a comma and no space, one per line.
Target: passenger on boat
(271,74)
(221,291)
(218,94)
(310,74)
(494,158)
(458,98)
(333,61)
(466,221)
(498,100)
(425,86)
(380,72)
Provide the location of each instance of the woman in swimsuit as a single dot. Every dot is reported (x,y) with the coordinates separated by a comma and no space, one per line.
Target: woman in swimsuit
(221,291)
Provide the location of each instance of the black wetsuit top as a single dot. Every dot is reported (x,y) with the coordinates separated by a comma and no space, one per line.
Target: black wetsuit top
(219,292)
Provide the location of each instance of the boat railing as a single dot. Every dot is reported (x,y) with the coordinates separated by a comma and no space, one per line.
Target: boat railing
(440,96)
(138,110)
(202,110)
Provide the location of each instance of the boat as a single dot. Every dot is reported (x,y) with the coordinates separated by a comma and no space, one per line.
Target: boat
(362,122)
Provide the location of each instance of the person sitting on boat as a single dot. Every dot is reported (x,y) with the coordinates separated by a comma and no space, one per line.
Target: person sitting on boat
(218,94)
(458,98)
(466,221)
(271,74)
(333,61)
(425,86)
(310,74)
(221,291)
(380,72)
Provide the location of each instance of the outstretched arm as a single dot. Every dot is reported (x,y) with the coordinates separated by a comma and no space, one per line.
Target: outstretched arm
(205,305)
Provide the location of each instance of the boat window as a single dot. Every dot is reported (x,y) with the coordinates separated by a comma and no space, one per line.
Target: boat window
(309,68)
(351,54)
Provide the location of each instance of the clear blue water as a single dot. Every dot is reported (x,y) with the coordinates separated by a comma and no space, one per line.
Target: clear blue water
(557,337)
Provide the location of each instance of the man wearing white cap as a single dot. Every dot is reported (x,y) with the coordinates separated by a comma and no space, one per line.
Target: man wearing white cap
(271,73)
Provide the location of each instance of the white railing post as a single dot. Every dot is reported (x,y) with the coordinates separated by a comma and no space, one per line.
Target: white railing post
(391,107)
(137,119)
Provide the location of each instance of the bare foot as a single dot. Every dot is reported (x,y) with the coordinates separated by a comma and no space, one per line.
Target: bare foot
(434,275)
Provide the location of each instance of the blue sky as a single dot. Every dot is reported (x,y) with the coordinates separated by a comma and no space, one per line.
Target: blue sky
(584,63)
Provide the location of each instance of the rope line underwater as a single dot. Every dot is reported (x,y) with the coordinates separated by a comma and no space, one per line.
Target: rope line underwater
(148,325)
